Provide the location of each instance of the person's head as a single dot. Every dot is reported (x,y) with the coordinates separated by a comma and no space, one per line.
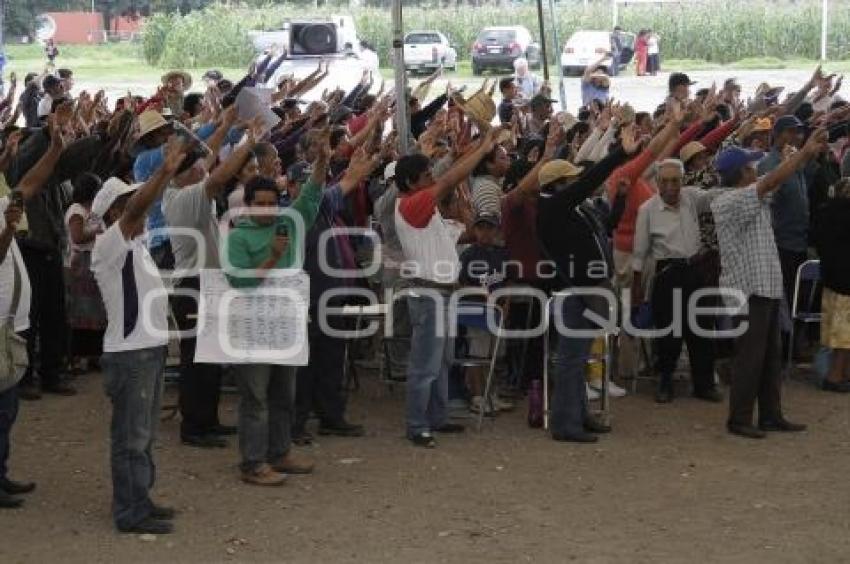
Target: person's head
(413,104)
(495,163)
(261,196)
(52,85)
(668,178)
(618,28)
(249,170)
(521,66)
(558,174)
(177,81)
(577,134)
(731,90)
(212,77)
(268,161)
(541,107)
(486,229)
(66,76)
(643,121)
(154,130)
(86,186)
(694,156)
(737,167)
(788,130)
(413,173)
(111,199)
(366,103)
(224,86)
(507,87)
(679,85)
(193,104)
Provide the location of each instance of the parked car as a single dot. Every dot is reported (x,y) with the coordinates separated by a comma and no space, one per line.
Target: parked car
(585,47)
(428,50)
(499,47)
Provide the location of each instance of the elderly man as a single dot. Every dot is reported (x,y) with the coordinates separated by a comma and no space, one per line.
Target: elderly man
(528,84)
(667,229)
(750,264)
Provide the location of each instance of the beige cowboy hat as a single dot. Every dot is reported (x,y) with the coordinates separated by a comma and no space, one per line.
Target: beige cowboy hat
(187,78)
(150,121)
(480,107)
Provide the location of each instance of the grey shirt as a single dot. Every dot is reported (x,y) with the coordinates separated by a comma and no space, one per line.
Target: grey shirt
(385,215)
(790,207)
(189,208)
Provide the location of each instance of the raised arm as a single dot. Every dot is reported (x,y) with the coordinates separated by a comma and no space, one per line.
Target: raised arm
(36,178)
(222,174)
(215,141)
(132,220)
(464,166)
(816,143)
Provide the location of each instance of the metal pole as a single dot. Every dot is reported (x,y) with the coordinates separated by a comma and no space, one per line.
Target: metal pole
(402,120)
(562,95)
(614,12)
(824,29)
(542,29)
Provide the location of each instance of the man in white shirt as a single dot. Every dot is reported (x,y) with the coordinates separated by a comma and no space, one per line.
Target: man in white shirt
(134,345)
(52,91)
(14,308)
(667,230)
(528,84)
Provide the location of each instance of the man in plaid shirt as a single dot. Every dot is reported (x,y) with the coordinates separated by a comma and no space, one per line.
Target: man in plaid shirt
(750,264)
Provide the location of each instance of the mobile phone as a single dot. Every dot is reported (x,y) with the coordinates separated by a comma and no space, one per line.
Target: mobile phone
(16,198)
(281,230)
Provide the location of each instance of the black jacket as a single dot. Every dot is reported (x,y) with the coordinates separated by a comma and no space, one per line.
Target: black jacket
(832,239)
(570,231)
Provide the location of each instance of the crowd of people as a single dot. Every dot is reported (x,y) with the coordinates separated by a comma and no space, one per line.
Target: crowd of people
(110,210)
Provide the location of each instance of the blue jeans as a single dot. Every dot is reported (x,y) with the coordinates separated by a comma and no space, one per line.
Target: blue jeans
(133,381)
(428,365)
(266,412)
(8,414)
(569,400)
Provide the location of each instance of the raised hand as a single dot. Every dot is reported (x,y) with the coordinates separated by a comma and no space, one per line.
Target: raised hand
(175,152)
(629,139)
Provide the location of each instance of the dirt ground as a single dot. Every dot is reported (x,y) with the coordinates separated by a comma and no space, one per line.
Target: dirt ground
(669,485)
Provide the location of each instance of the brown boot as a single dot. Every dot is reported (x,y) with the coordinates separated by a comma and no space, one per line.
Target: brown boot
(263,475)
(291,463)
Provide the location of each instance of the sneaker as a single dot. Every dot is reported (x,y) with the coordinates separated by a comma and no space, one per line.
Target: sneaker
(341,429)
(616,391)
(291,463)
(424,440)
(592,394)
(263,475)
(150,526)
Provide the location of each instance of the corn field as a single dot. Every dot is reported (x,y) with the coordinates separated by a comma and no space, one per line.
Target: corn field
(712,30)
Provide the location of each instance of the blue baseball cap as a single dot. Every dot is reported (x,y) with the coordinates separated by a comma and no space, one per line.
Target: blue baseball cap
(734,158)
(787,122)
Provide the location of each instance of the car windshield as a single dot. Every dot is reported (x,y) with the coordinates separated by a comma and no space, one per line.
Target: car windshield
(422,38)
(497,36)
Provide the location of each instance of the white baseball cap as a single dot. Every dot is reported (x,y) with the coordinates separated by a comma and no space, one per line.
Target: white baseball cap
(111,190)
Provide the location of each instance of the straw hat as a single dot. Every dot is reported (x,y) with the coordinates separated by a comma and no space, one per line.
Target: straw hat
(762,124)
(556,170)
(480,107)
(187,78)
(691,150)
(150,121)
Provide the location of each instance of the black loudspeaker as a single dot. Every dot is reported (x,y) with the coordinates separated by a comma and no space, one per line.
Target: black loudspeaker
(313,39)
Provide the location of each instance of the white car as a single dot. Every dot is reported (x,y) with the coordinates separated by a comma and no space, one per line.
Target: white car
(428,50)
(584,48)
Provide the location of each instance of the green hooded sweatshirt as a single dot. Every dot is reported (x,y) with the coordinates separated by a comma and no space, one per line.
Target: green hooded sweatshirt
(248,244)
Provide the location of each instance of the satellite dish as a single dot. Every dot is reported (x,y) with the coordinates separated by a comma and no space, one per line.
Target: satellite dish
(45,28)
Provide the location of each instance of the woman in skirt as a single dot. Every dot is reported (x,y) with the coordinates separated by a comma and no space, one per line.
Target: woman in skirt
(86,315)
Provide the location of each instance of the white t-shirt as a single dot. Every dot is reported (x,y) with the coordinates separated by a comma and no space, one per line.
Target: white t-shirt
(44,105)
(88,226)
(107,264)
(7,280)
(190,207)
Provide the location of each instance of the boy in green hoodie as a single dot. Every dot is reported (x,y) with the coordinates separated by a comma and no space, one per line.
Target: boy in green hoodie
(262,241)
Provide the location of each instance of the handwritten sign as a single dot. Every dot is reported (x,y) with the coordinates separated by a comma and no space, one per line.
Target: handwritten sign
(262,325)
